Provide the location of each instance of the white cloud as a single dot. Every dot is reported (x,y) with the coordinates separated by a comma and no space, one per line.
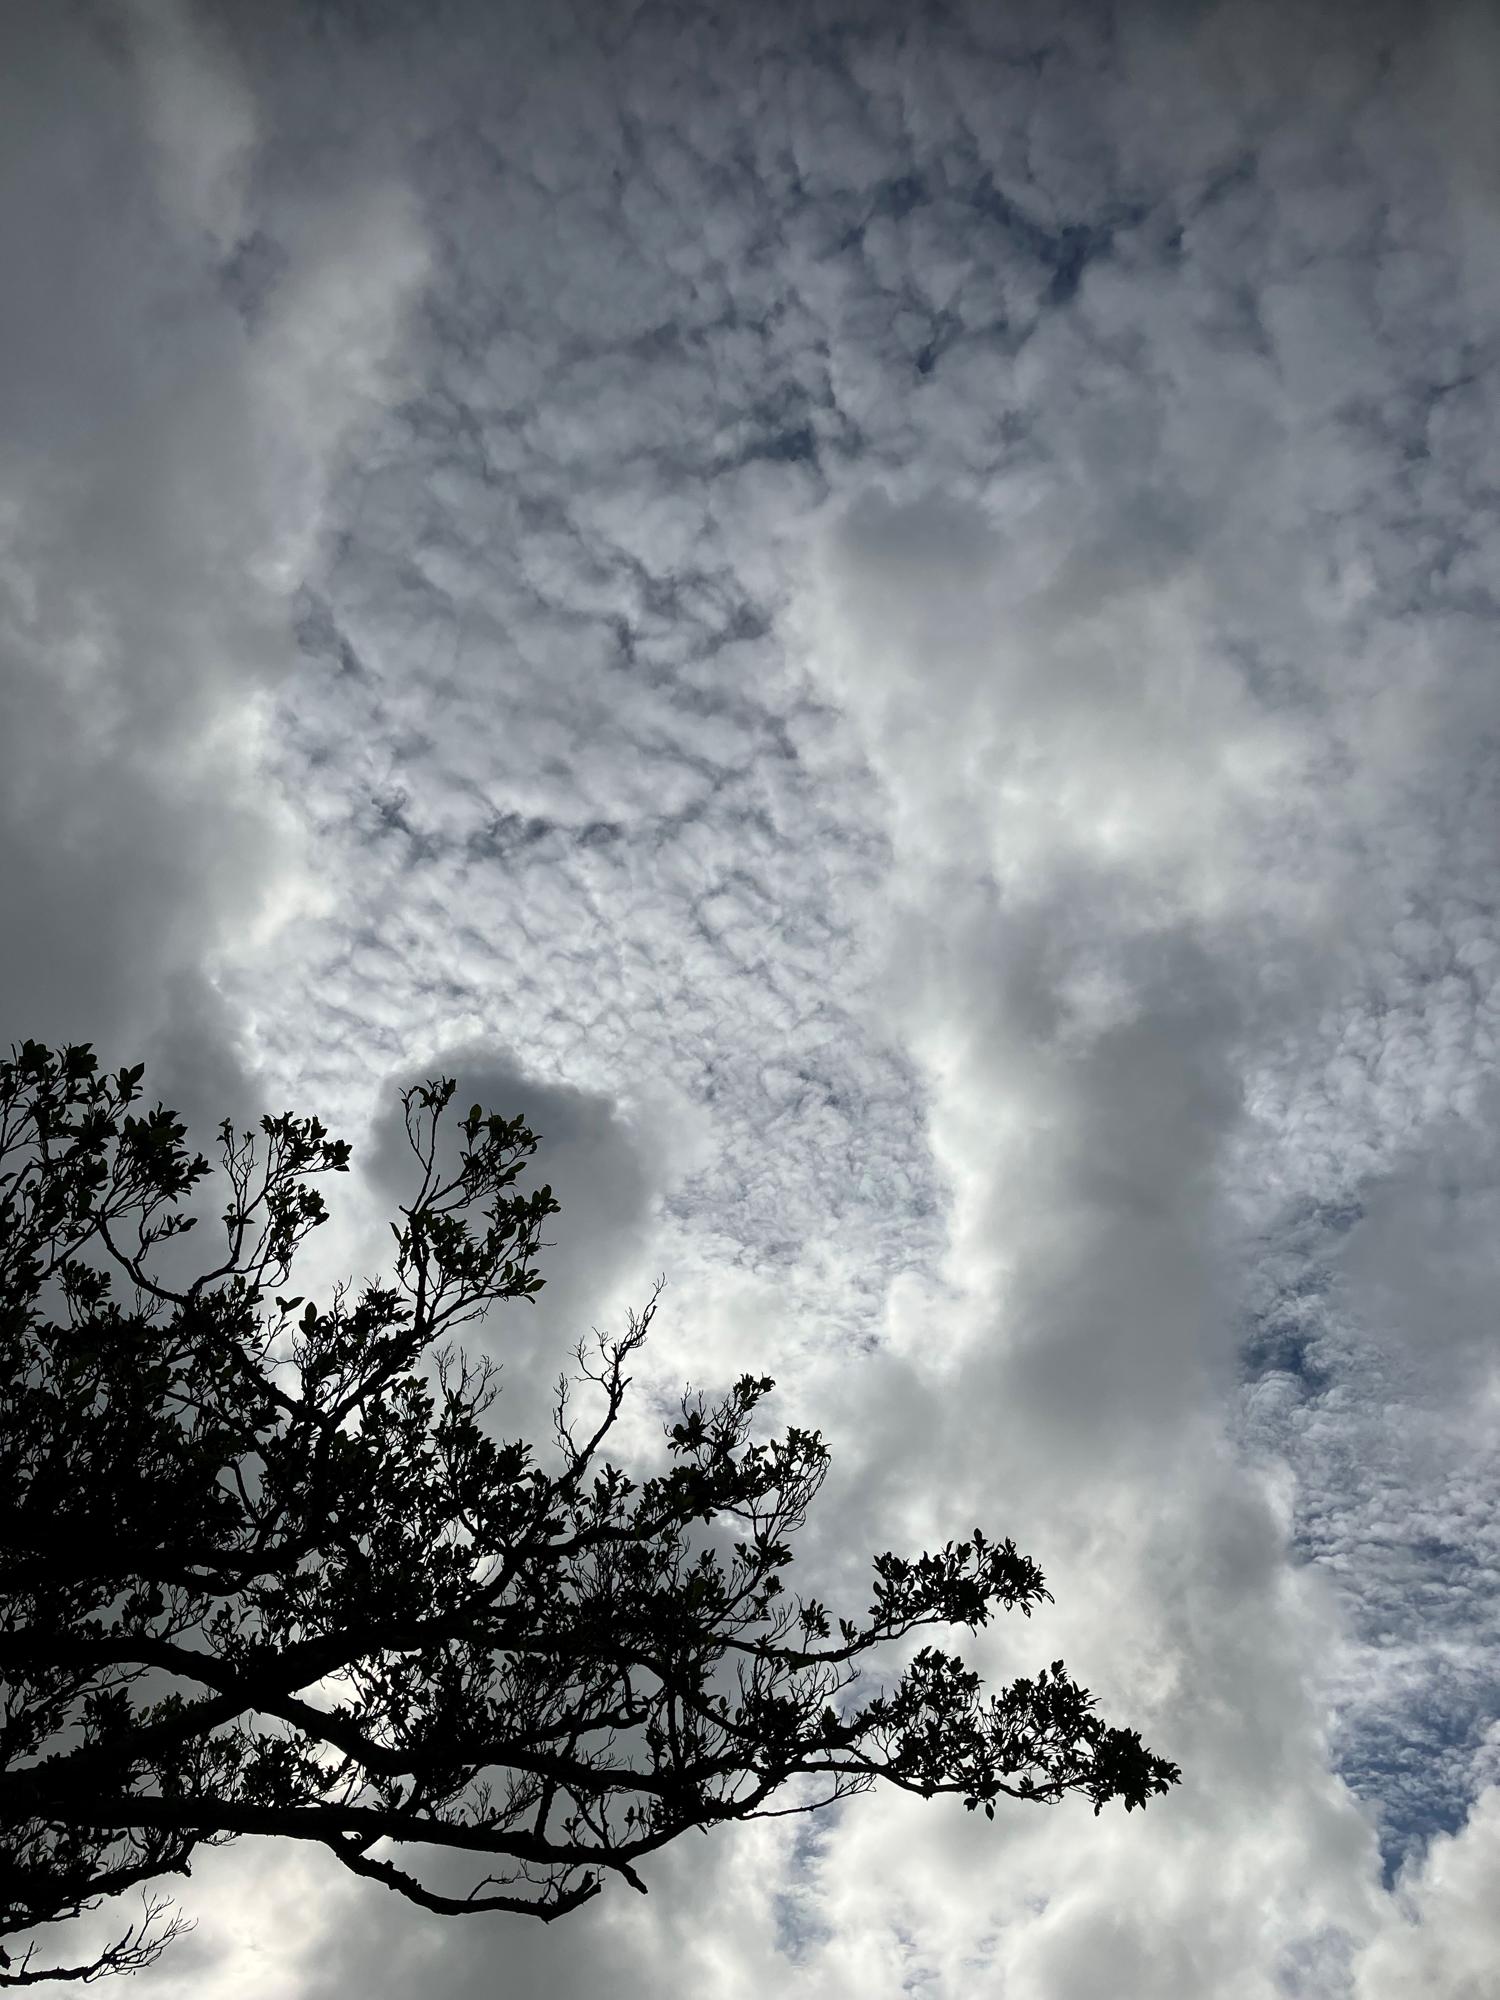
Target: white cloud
(904,645)
(1445,1942)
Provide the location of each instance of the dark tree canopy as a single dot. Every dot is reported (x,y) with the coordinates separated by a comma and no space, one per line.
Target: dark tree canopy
(267,1567)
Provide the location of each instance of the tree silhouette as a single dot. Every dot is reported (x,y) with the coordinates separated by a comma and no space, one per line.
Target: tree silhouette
(266,1567)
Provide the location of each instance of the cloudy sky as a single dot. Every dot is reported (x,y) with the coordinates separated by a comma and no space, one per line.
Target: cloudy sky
(883,617)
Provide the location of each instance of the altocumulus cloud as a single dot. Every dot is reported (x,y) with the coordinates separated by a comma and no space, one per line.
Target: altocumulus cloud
(882,618)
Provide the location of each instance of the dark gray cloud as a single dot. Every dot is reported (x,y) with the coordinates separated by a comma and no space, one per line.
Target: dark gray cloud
(600,1167)
(164,482)
(120,843)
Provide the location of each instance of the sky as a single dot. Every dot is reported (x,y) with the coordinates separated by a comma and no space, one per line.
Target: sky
(883,619)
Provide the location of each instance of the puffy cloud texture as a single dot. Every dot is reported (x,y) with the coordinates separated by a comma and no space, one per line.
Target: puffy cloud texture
(882,618)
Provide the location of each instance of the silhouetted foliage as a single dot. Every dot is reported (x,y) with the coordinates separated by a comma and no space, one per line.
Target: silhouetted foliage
(267,1568)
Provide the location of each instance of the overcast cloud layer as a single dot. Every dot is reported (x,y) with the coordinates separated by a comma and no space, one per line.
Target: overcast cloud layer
(884,620)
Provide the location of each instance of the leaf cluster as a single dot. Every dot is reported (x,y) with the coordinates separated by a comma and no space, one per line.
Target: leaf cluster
(268,1565)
